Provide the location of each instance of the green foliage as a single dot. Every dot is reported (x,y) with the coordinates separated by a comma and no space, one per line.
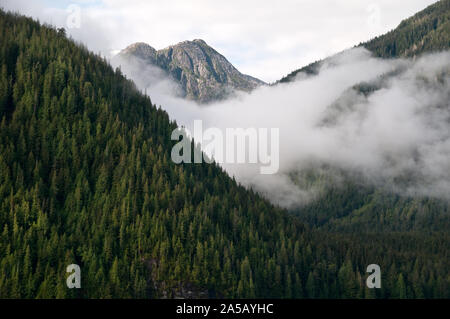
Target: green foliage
(86,178)
(352,207)
(426,31)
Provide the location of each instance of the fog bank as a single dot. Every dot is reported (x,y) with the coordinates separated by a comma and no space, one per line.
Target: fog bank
(385,122)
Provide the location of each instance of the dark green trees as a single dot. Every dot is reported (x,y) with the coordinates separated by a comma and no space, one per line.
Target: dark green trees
(426,31)
(86,178)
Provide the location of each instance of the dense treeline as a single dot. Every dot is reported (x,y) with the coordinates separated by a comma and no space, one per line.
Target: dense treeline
(426,31)
(86,178)
(351,206)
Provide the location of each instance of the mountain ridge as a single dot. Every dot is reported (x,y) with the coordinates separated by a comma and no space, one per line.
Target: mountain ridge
(351,206)
(426,31)
(86,179)
(204,74)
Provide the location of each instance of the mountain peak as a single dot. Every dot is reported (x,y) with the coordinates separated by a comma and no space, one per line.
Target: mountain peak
(197,41)
(204,74)
(138,46)
(200,42)
(141,50)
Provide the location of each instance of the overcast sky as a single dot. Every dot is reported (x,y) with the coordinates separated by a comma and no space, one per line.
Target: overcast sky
(266,39)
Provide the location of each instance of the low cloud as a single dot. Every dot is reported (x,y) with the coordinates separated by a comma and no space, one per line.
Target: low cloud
(260,38)
(383,122)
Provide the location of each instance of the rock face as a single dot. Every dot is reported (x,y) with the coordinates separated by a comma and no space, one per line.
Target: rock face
(204,74)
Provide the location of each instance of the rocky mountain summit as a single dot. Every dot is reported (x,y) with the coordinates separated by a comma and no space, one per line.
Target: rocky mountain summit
(204,74)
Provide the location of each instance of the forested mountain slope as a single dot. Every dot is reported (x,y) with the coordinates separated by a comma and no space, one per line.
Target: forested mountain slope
(426,31)
(86,178)
(353,206)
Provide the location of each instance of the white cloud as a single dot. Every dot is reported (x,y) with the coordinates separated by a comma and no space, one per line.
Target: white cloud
(396,138)
(265,39)
(402,130)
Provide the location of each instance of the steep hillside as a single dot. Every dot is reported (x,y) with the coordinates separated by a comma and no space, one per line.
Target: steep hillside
(426,31)
(353,206)
(204,74)
(86,178)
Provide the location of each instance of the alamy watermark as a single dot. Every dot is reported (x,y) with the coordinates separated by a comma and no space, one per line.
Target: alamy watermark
(374,17)
(374,279)
(230,146)
(73,20)
(74,279)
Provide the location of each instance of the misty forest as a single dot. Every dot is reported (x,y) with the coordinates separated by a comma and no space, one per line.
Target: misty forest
(86,175)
